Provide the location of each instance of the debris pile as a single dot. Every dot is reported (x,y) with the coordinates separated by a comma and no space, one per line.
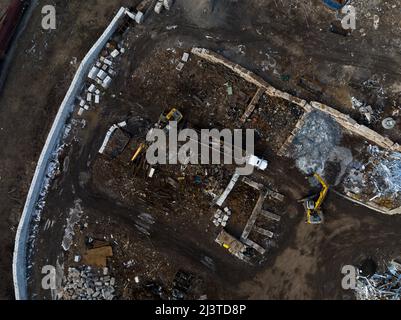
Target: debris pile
(386,171)
(386,286)
(315,141)
(378,178)
(87,284)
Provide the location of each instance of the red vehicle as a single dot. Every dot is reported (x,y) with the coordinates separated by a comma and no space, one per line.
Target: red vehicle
(8,24)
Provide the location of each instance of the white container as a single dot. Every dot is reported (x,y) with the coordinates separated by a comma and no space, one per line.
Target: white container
(92,73)
(102,75)
(115,53)
(107,82)
(108,62)
(185,57)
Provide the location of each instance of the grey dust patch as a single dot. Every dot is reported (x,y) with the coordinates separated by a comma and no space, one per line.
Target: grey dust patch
(315,142)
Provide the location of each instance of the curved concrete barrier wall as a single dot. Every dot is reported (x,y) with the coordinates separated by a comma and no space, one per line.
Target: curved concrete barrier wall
(67,106)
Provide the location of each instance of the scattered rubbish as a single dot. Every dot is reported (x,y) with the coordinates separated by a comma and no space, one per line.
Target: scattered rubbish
(380,286)
(182,284)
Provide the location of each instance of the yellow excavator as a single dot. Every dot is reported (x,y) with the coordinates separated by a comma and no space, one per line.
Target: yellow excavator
(165,118)
(312,204)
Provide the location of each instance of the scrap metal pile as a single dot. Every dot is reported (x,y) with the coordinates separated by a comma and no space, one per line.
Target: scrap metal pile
(386,286)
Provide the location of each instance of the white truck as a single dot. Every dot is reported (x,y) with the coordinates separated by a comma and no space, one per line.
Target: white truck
(257,162)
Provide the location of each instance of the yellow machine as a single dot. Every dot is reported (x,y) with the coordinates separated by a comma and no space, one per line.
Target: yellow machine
(165,118)
(314,214)
(138,152)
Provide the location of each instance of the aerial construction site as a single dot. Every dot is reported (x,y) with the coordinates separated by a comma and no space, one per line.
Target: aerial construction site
(196,150)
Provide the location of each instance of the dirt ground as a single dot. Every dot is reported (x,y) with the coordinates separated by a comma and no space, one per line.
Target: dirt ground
(299,56)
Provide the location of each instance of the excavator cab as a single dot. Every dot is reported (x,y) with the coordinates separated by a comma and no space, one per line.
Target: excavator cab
(172,115)
(312,204)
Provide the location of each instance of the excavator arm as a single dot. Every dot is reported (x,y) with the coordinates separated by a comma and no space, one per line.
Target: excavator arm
(311,213)
(323,193)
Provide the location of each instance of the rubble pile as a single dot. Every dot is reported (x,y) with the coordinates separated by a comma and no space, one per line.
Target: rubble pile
(387,171)
(386,286)
(377,178)
(87,284)
(314,143)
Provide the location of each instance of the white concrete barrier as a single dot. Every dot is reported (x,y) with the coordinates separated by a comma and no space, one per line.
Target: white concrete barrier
(53,139)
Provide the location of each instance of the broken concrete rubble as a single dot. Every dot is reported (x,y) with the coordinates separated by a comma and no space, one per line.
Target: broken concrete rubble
(85,283)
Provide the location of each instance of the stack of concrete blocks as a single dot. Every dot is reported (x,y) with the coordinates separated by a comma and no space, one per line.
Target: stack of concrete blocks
(100,76)
(221,217)
(20,259)
(87,285)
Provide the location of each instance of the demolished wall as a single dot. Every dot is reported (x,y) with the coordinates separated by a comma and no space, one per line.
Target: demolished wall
(67,106)
(343,119)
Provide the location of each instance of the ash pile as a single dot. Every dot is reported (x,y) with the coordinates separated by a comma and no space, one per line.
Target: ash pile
(87,284)
(385,286)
